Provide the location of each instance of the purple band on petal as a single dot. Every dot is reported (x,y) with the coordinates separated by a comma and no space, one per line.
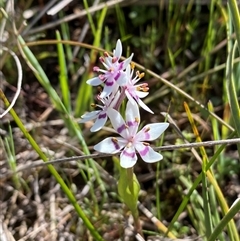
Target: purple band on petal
(147,136)
(117,75)
(102,116)
(129,154)
(120,66)
(144,151)
(121,128)
(130,123)
(115,143)
(109,83)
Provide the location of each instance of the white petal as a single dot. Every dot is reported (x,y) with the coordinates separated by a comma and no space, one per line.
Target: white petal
(110,145)
(130,98)
(107,90)
(118,51)
(89,116)
(145,107)
(128,157)
(151,132)
(122,80)
(147,153)
(100,122)
(132,117)
(117,122)
(94,81)
(114,98)
(141,94)
(127,61)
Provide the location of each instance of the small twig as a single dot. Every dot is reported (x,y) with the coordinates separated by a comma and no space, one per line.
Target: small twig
(100,155)
(19,83)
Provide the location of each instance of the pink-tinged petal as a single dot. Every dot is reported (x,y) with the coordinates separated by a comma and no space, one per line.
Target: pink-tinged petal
(145,107)
(132,117)
(118,123)
(128,157)
(100,122)
(89,116)
(118,51)
(94,81)
(147,153)
(151,132)
(110,145)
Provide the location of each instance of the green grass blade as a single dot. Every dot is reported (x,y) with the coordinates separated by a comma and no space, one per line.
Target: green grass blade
(63,76)
(84,95)
(232,93)
(226,219)
(235,19)
(41,76)
(90,18)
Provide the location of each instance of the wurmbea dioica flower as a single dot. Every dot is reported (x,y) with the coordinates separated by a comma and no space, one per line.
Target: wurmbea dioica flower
(135,92)
(113,74)
(100,115)
(131,140)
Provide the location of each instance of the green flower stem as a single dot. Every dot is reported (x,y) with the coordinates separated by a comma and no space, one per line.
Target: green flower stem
(130,176)
(128,189)
(53,171)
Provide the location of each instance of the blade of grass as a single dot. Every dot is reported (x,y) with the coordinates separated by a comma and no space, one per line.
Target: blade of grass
(66,35)
(232,93)
(54,172)
(235,19)
(63,76)
(205,193)
(194,186)
(226,219)
(84,95)
(90,18)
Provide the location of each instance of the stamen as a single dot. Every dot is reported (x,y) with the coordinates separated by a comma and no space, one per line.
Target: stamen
(114,139)
(101,77)
(137,119)
(102,59)
(95,68)
(106,54)
(93,105)
(129,144)
(132,65)
(143,87)
(147,129)
(140,75)
(145,144)
(114,59)
(111,70)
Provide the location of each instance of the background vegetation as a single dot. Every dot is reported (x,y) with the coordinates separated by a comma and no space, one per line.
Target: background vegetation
(188,51)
